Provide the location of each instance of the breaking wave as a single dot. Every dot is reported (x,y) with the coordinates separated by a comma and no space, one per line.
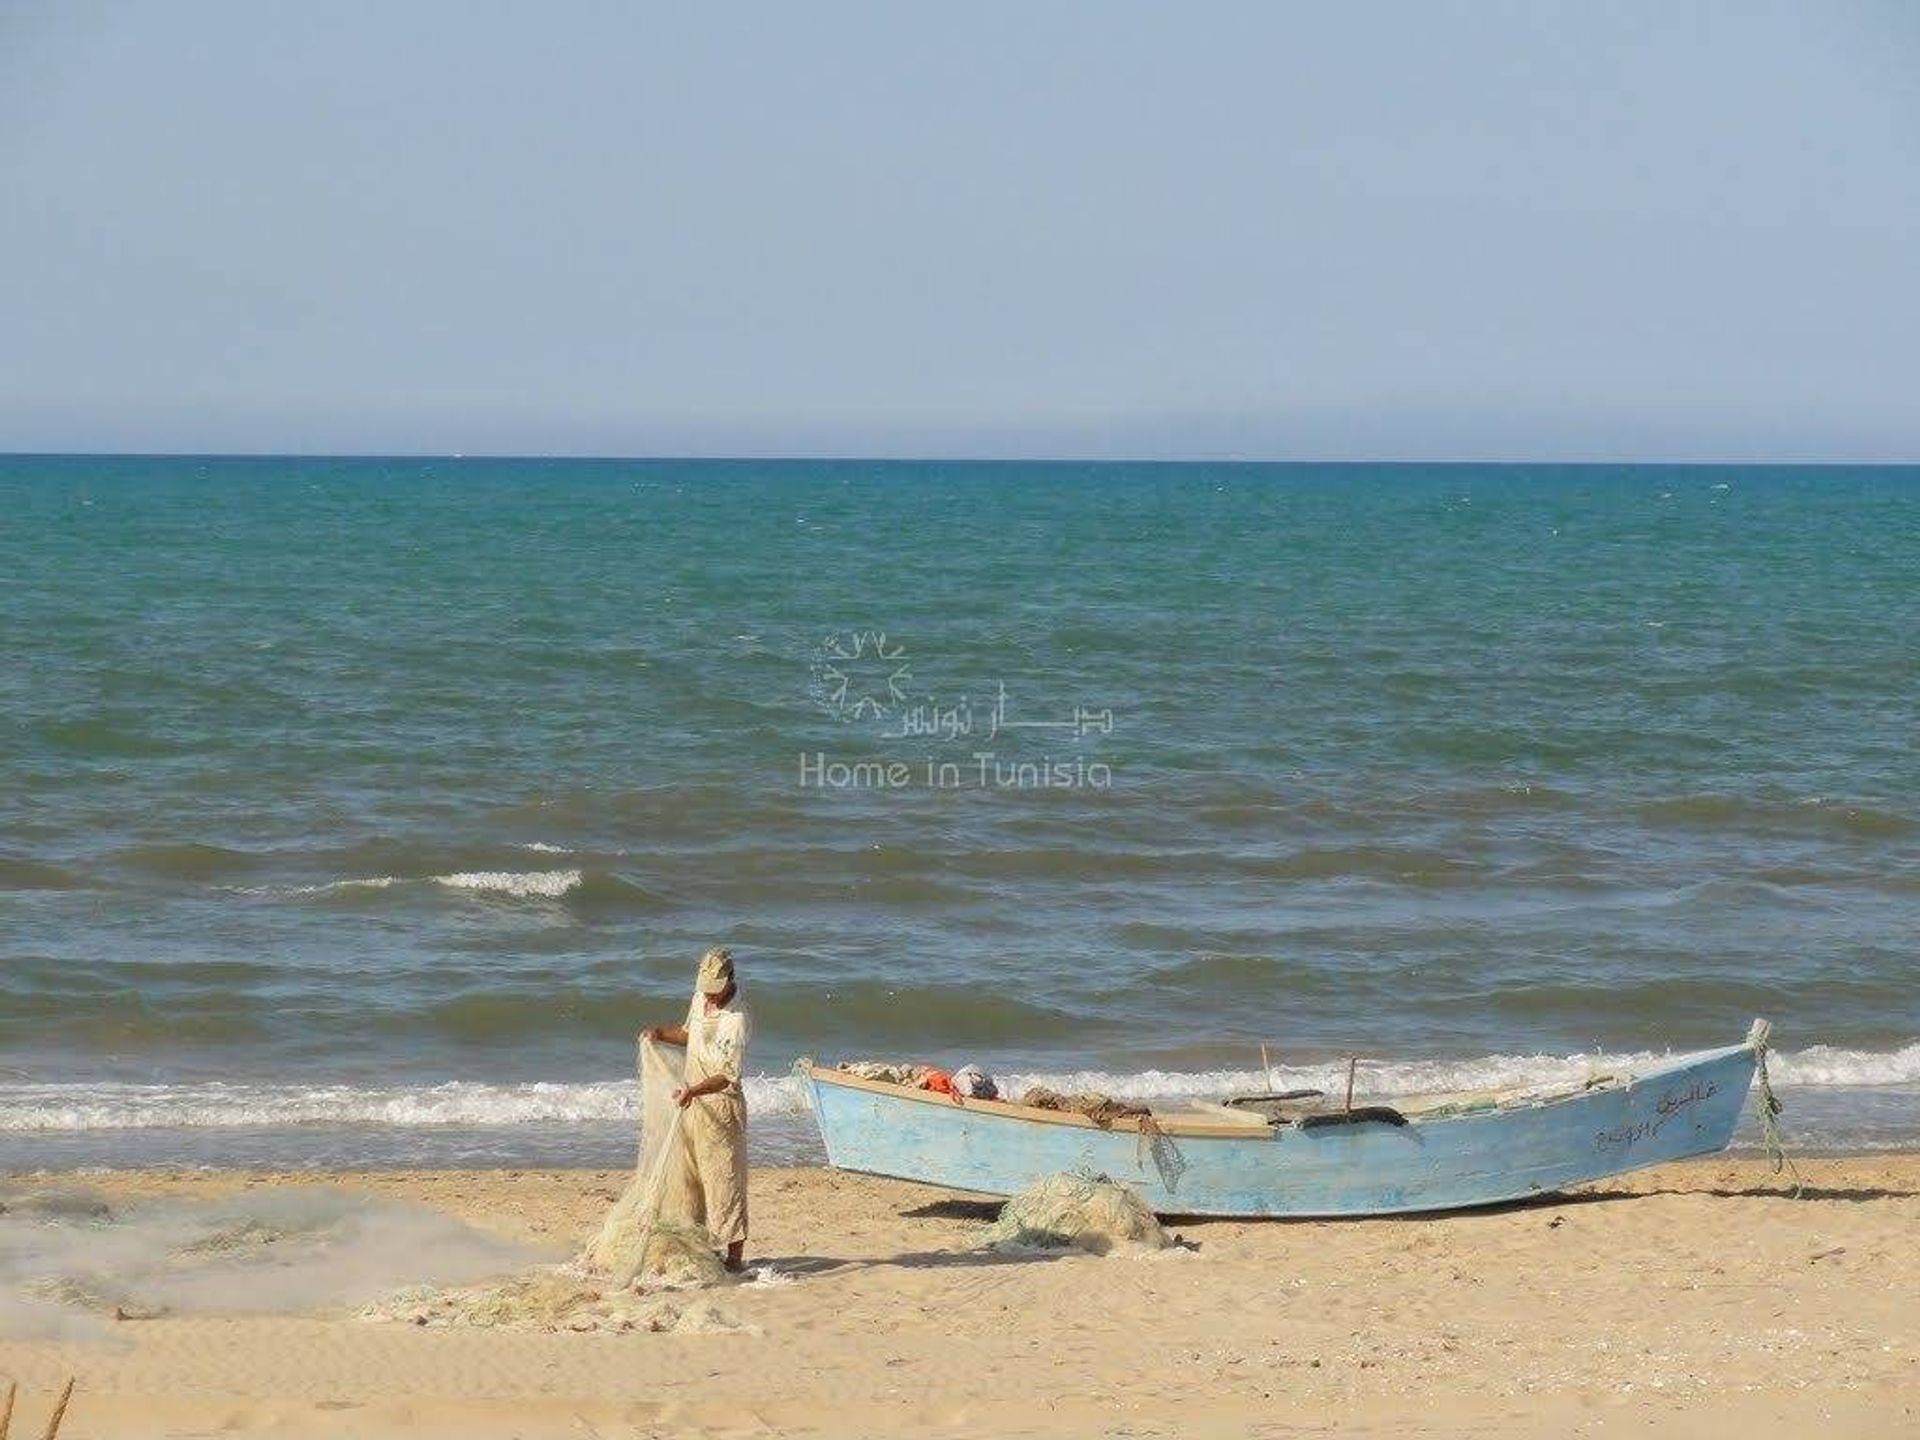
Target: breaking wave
(518,885)
(570,884)
(1819,1065)
(83,1107)
(546,884)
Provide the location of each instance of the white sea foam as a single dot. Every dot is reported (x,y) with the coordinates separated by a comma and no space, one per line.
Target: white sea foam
(1824,1065)
(547,884)
(375,882)
(1819,1065)
(222,1106)
(49,1108)
(518,885)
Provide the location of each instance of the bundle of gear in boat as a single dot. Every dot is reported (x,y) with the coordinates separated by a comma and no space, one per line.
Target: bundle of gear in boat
(970,1082)
(1305,1109)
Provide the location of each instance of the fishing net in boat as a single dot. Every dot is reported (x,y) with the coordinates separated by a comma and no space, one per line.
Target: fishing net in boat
(1103,1110)
(1076,1211)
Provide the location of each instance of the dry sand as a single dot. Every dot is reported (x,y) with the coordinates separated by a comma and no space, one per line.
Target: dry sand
(1692,1300)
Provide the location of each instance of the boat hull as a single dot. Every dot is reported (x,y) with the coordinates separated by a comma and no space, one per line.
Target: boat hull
(1688,1106)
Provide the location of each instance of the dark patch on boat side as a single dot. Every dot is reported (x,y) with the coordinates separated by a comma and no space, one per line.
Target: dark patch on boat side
(1360,1114)
(1253,1102)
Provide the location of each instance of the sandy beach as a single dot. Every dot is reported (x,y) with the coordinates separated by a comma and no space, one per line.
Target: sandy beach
(1689,1300)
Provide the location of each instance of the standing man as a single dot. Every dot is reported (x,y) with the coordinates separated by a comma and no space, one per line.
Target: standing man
(713,1132)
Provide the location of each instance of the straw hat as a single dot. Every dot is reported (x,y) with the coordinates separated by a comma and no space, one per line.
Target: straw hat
(716,970)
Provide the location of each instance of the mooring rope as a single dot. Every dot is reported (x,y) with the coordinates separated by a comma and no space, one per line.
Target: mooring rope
(1770,1106)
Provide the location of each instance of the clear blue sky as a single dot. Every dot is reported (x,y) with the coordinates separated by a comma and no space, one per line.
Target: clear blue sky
(1263,229)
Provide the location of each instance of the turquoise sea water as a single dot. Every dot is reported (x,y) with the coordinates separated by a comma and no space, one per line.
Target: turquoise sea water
(361,810)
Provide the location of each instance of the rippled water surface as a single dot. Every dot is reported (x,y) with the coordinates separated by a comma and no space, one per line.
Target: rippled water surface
(360,809)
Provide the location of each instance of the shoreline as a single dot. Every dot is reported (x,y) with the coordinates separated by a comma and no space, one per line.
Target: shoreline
(1741,1152)
(1673,1298)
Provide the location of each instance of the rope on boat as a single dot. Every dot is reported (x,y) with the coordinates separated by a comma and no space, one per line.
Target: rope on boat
(801,1073)
(1770,1107)
(1153,1145)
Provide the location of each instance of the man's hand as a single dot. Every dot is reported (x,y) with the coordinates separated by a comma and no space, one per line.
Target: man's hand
(687,1094)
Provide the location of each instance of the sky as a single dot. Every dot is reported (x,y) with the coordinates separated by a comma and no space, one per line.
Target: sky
(1105,229)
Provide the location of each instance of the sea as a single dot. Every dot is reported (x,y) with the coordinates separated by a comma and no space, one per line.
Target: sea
(358,812)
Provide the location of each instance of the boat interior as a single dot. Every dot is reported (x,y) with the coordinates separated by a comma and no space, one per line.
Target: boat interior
(1301,1109)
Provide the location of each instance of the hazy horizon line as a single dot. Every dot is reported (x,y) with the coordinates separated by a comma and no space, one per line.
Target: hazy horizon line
(747,458)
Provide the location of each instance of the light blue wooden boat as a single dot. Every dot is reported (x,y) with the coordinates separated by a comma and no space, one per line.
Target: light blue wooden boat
(1435,1153)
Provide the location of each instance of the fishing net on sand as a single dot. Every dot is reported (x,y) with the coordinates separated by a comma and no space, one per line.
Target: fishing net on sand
(642,1248)
(641,1238)
(556,1299)
(1076,1211)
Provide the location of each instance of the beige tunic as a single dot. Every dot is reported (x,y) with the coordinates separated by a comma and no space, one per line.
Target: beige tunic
(713,1136)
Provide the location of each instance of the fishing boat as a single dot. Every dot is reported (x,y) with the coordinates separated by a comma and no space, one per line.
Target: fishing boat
(1305,1154)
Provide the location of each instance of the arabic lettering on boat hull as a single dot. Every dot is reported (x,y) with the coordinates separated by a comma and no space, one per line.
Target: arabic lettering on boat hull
(1670,1104)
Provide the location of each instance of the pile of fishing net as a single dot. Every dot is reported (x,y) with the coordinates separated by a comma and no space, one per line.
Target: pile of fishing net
(1076,1211)
(623,1281)
(638,1242)
(666,1254)
(616,1282)
(557,1299)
